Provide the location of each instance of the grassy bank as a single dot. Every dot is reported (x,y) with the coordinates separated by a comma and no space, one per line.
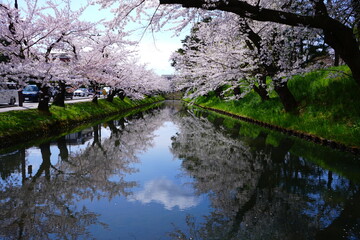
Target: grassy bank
(329,107)
(22,125)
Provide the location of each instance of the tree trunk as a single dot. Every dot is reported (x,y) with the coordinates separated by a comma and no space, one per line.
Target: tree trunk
(342,40)
(44,100)
(23,165)
(121,94)
(261,89)
(262,92)
(114,130)
(218,92)
(237,91)
(286,97)
(337,59)
(95,99)
(64,152)
(110,98)
(59,99)
(46,162)
(111,95)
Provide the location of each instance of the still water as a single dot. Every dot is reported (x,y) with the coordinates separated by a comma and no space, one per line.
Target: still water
(178,173)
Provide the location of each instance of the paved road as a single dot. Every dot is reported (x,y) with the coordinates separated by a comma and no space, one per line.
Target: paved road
(32,105)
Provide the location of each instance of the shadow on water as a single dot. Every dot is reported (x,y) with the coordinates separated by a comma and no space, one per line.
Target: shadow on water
(260,184)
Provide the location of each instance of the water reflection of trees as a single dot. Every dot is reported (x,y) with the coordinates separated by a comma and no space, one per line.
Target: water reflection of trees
(261,191)
(43,204)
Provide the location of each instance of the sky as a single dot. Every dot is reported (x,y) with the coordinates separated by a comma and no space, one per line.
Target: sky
(157,52)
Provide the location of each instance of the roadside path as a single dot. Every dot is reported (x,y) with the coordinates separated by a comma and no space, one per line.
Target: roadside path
(33,105)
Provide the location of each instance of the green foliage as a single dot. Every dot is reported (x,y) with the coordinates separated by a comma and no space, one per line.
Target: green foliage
(328,106)
(17,122)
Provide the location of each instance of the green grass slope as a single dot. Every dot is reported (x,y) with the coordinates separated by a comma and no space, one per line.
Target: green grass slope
(329,106)
(18,123)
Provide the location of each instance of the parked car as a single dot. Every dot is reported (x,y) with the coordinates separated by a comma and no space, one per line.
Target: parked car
(8,93)
(31,93)
(81,92)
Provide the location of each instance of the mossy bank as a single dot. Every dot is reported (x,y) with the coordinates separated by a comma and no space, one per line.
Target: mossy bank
(21,126)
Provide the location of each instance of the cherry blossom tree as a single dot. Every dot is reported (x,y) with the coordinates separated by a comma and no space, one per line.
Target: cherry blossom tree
(243,55)
(146,82)
(29,37)
(102,59)
(215,55)
(47,44)
(106,60)
(338,21)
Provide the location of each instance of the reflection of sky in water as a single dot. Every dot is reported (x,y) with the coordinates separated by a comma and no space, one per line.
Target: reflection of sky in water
(160,176)
(167,193)
(162,200)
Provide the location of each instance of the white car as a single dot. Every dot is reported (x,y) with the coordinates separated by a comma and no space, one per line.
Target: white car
(8,93)
(81,92)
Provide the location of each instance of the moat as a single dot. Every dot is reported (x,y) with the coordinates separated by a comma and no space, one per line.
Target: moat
(178,173)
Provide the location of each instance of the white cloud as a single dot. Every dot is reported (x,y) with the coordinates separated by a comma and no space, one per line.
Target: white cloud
(167,193)
(157,56)
(156,52)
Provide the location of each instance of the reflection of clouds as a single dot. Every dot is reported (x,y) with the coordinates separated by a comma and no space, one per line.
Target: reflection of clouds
(168,193)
